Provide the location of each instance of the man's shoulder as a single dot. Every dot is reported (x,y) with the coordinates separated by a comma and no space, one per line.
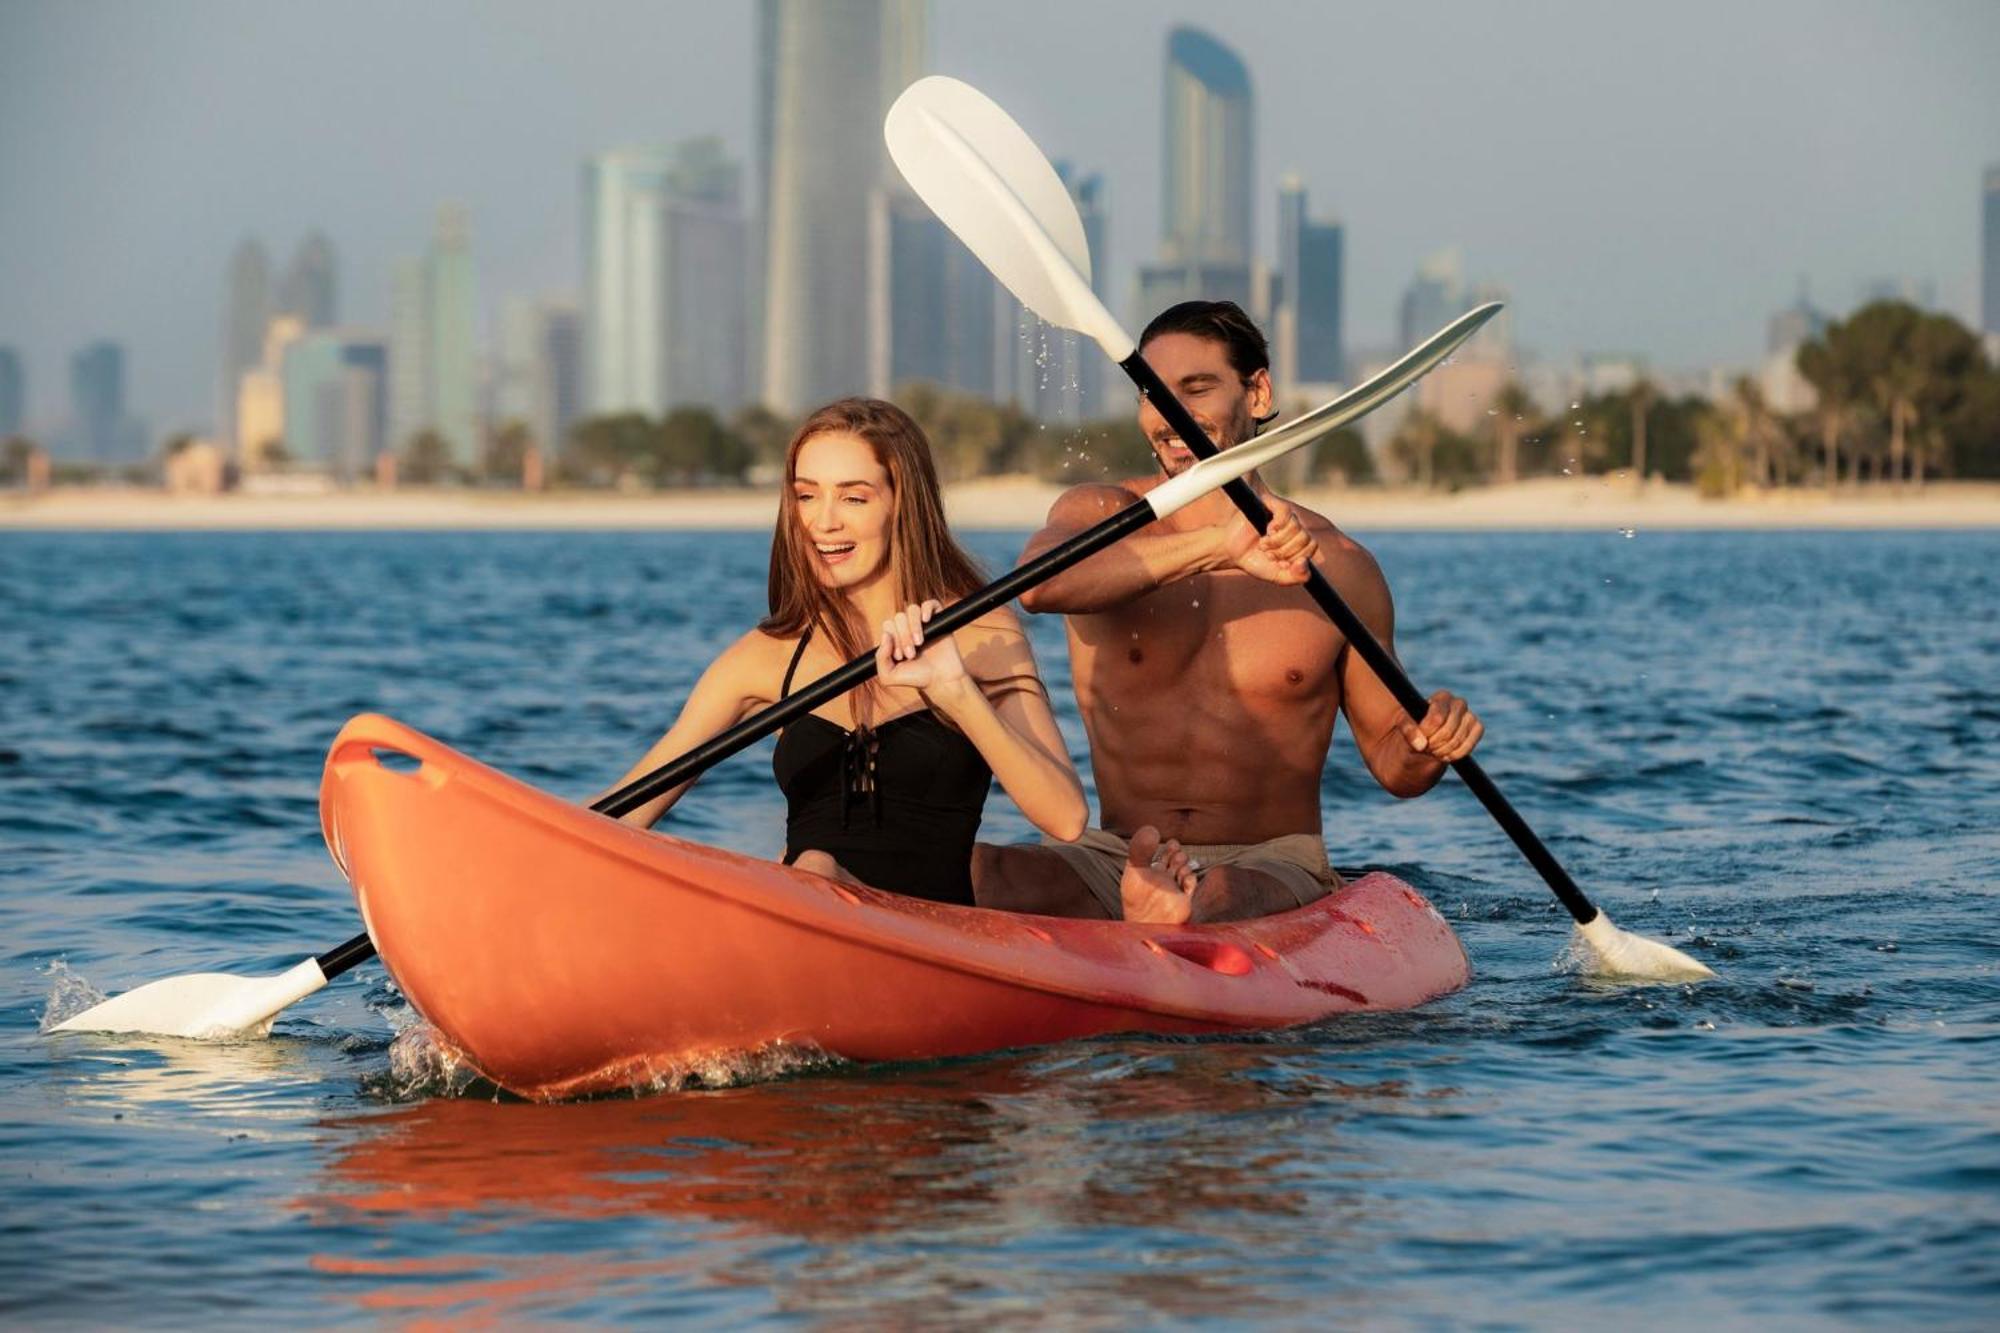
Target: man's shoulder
(1095,501)
(1332,540)
(1346,561)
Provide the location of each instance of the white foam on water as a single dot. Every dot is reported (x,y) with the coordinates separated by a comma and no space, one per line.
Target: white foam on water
(729,1069)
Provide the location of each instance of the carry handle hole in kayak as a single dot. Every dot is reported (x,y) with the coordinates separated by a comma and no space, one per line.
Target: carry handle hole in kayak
(409,765)
(1215,955)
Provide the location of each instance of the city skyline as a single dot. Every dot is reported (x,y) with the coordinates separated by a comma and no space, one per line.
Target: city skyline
(1897,223)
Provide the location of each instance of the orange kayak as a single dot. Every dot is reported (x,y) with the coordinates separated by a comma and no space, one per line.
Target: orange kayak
(562,953)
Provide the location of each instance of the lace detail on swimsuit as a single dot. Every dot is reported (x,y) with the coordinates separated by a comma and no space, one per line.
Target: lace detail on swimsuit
(858,773)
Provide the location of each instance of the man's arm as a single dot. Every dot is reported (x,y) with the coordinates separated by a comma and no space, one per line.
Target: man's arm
(1157,555)
(1406,757)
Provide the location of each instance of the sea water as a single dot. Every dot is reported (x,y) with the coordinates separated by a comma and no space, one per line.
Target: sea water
(1780,752)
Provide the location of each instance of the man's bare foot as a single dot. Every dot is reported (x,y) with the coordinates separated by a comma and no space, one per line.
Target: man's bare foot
(819,863)
(1158,883)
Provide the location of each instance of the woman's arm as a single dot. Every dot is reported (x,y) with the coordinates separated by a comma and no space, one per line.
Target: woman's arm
(734,685)
(1017,735)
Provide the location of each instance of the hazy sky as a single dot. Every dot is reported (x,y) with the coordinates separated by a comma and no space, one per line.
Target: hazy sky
(1648,178)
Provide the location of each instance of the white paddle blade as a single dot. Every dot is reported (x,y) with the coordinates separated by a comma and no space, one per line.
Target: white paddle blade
(988,183)
(1620,955)
(1212,474)
(204,1005)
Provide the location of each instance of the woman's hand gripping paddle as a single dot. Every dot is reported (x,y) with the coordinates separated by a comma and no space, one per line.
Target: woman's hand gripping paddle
(988,182)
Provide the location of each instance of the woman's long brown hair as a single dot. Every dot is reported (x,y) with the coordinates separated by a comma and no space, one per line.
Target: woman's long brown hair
(924,558)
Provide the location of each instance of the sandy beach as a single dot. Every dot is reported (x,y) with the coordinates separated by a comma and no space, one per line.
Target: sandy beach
(1008,503)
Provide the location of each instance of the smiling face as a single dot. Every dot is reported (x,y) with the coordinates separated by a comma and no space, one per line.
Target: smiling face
(1223,402)
(845,506)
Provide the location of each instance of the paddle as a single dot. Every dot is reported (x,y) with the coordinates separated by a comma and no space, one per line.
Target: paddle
(988,182)
(216,1004)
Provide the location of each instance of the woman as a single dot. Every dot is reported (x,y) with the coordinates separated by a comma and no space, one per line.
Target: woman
(883,786)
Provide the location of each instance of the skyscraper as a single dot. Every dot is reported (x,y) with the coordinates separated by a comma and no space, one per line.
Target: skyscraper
(246,312)
(1989,305)
(409,354)
(335,400)
(310,289)
(833,68)
(704,274)
(100,432)
(932,306)
(1206,199)
(540,369)
(1208,161)
(1434,298)
(13,394)
(624,236)
(454,331)
(665,271)
(511,385)
(260,397)
(559,381)
(1310,344)
(433,354)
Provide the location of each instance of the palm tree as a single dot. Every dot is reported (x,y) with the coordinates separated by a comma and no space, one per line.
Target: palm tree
(1835,392)
(1718,456)
(1642,395)
(507,448)
(1415,444)
(426,458)
(1759,434)
(15,452)
(1514,417)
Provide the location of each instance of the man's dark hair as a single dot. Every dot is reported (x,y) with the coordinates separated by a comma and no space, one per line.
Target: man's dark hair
(1217,321)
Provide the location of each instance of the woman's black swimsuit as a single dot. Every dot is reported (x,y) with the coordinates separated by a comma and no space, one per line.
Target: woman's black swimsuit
(897,804)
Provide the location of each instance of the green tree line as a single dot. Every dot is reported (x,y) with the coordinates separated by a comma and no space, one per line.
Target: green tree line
(1903,395)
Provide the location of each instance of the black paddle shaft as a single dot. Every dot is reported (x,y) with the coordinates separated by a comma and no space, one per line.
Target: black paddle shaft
(1364,642)
(828,687)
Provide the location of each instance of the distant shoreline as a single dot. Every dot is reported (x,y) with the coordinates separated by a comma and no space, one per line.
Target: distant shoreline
(1003,503)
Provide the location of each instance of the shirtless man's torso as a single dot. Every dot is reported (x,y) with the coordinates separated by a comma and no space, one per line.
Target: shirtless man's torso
(1209,683)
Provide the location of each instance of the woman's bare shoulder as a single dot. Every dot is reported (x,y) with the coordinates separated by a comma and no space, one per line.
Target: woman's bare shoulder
(998,624)
(756,659)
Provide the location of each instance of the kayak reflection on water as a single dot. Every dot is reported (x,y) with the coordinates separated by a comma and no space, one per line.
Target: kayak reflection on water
(885,786)
(1208,682)
(943,1162)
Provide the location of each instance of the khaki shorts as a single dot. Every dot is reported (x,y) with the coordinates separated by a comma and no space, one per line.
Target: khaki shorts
(1297,860)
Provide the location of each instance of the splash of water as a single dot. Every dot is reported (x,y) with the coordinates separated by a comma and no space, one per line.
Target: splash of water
(69,995)
(423,1064)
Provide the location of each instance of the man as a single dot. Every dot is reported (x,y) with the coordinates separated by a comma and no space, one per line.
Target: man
(1208,680)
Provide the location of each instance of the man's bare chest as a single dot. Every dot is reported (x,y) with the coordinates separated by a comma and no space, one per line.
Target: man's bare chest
(1228,633)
